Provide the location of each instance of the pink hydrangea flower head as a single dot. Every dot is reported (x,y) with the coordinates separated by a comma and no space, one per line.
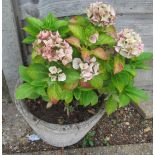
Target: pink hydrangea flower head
(129,43)
(52,47)
(101,14)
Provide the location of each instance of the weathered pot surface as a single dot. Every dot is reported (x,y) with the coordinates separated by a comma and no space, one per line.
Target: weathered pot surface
(55,134)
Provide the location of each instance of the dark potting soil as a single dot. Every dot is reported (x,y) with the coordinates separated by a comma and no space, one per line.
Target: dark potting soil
(57,115)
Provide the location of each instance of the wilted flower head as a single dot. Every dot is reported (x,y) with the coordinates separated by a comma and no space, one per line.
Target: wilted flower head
(129,43)
(88,69)
(101,14)
(56,74)
(52,47)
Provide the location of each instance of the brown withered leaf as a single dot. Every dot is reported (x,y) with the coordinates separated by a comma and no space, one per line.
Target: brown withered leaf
(100,53)
(118,63)
(118,67)
(74,41)
(85,54)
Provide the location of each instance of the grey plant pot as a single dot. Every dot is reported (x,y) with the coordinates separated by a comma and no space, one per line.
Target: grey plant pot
(55,134)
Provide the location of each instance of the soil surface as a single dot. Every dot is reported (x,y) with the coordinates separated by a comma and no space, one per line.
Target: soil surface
(57,114)
(125,126)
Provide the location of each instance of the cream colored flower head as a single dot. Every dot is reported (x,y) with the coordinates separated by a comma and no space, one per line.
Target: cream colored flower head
(56,74)
(52,47)
(101,14)
(129,43)
(88,69)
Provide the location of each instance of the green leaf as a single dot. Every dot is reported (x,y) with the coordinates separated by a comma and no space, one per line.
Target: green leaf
(72,75)
(67,96)
(105,39)
(78,32)
(54,91)
(145,56)
(40,91)
(49,21)
(111,105)
(39,83)
(88,97)
(38,59)
(34,22)
(77,94)
(37,71)
(25,90)
(60,23)
(135,94)
(97,81)
(130,69)
(30,30)
(141,65)
(23,74)
(124,100)
(29,40)
(121,80)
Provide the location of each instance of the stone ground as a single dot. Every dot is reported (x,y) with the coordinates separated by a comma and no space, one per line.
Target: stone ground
(15,130)
(138,149)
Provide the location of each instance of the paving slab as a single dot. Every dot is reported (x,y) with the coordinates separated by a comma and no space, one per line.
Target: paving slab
(15,127)
(132,149)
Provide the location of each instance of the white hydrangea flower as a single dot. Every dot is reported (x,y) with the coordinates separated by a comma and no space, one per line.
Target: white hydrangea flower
(88,69)
(76,63)
(56,74)
(101,14)
(62,77)
(129,43)
(53,69)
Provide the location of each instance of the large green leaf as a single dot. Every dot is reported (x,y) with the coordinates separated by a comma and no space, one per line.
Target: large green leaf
(25,90)
(39,59)
(124,100)
(71,75)
(135,94)
(121,80)
(37,71)
(23,74)
(78,32)
(77,93)
(29,40)
(97,81)
(130,69)
(105,39)
(34,22)
(37,83)
(67,96)
(31,30)
(111,105)
(145,56)
(54,91)
(88,98)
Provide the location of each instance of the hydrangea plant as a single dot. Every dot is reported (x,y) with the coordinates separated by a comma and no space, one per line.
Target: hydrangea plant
(82,58)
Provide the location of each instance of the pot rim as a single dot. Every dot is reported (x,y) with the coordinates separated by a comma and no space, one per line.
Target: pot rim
(29,116)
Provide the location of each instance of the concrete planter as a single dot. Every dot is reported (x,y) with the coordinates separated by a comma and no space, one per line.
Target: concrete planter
(55,134)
